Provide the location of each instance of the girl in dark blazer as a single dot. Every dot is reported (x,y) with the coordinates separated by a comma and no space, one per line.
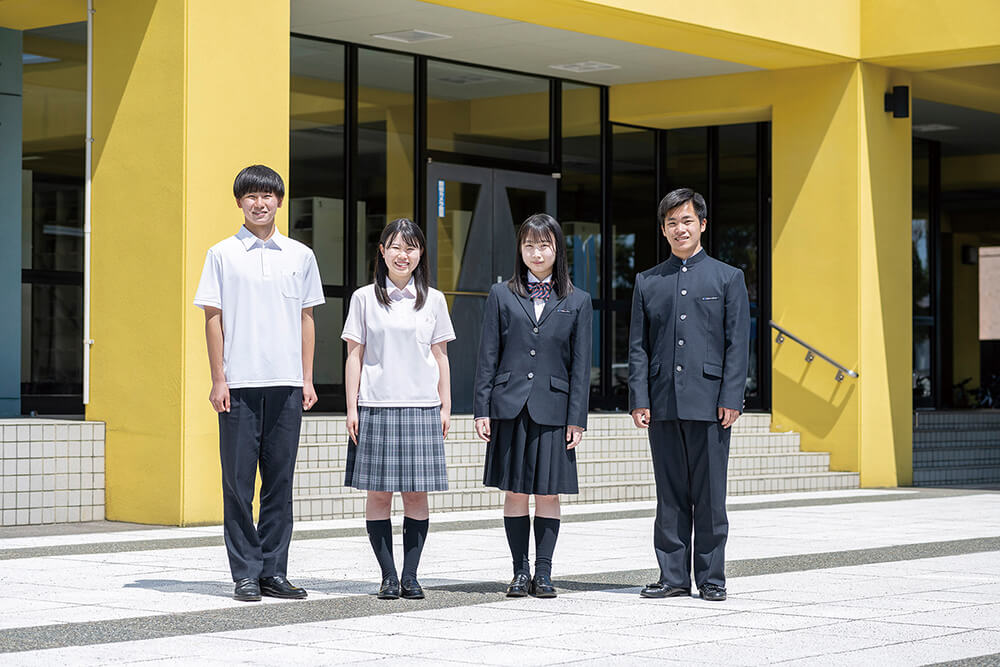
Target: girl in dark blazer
(531,394)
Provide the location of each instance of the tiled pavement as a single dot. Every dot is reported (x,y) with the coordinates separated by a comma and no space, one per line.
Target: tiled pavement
(884,577)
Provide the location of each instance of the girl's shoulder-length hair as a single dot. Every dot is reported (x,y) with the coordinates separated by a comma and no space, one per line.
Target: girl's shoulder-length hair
(540,228)
(402,230)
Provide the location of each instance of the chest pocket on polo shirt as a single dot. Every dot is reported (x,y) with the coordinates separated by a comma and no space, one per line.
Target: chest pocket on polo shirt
(291,284)
(425,327)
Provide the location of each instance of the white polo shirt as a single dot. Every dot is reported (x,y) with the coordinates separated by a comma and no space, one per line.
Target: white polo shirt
(399,369)
(261,288)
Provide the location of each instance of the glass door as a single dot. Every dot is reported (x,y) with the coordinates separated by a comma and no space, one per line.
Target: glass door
(473,214)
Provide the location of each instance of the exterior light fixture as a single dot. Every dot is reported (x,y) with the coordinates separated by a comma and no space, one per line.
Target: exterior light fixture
(898,102)
(411,36)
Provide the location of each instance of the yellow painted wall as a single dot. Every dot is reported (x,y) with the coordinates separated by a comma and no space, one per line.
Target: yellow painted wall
(840,244)
(171,134)
(930,34)
(29,14)
(732,30)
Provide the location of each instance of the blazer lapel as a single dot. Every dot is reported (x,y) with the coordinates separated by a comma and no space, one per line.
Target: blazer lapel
(550,307)
(528,305)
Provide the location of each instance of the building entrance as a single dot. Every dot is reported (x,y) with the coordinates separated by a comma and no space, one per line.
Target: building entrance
(472,218)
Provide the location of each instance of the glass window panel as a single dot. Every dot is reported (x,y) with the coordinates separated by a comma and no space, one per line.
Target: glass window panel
(53,129)
(385,149)
(53,364)
(923,382)
(686,166)
(580,205)
(921,230)
(485,112)
(328,364)
(453,233)
(734,220)
(633,206)
(316,153)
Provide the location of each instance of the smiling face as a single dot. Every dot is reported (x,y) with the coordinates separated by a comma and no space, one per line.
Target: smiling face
(259,209)
(401,258)
(539,255)
(683,229)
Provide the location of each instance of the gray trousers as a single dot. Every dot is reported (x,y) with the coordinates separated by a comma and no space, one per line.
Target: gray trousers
(690,463)
(261,430)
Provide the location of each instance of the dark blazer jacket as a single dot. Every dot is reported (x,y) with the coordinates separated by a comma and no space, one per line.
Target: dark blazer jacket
(544,363)
(689,339)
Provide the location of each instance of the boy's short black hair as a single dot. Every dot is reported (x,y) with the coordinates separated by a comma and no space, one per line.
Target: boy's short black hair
(679,197)
(258,178)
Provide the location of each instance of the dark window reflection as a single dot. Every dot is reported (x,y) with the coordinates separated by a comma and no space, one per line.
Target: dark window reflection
(316,150)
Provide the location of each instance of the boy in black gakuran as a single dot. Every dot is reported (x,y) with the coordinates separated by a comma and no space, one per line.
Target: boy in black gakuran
(258,289)
(688,355)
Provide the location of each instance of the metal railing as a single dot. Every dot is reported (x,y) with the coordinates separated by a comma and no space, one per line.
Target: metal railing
(812,352)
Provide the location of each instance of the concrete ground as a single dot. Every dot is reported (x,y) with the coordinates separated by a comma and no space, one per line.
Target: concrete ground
(884,577)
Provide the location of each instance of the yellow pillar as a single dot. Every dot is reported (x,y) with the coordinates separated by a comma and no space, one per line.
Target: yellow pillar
(840,225)
(186,94)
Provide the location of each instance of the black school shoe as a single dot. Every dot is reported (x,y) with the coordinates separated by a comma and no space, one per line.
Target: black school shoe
(389,590)
(541,586)
(279,587)
(518,586)
(659,589)
(712,593)
(247,590)
(410,589)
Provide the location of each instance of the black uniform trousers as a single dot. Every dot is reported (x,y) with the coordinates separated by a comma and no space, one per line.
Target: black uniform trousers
(260,429)
(690,464)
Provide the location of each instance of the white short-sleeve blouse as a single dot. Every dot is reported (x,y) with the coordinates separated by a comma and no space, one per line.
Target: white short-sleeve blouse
(399,369)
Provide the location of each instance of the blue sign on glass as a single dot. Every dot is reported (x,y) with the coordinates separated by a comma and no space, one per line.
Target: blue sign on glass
(440,199)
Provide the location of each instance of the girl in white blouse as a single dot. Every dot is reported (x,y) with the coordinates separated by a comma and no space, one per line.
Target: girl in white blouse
(398,399)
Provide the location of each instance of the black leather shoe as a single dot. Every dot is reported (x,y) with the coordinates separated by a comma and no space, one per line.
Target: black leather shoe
(518,586)
(279,587)
(410,589)
(389,590)
(541,586)
(247,590)
(662,590)
(712,593)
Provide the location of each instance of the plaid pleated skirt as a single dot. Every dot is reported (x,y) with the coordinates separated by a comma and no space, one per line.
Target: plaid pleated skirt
(399,449)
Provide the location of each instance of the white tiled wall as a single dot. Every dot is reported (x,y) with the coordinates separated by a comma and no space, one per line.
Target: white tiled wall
(52,471)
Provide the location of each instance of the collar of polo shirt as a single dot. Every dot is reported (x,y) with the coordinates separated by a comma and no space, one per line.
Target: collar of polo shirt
(408,292)
(249,240)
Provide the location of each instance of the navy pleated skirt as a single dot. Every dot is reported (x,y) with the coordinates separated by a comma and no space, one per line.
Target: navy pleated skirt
(525,457)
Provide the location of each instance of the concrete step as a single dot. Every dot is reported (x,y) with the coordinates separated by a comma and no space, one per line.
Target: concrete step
(955,420)
(956,475)
(349,503)
(624,470)
(955,455)
(320,454)
(956,438)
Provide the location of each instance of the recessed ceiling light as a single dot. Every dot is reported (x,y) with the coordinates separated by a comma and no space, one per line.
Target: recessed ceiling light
(933,127)
(586,66)
(466,79)
(411,36)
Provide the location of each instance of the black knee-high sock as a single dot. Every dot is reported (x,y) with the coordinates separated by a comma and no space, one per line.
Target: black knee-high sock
(518,529)
(380,535)
(414,534)
(546,532)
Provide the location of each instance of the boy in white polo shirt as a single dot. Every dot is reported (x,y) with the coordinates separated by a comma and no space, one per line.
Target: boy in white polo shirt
(258,289)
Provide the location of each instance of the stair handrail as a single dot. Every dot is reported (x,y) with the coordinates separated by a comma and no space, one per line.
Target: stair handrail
(812,352)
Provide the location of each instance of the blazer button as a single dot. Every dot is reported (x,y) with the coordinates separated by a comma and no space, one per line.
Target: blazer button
(534,330)
(684,292)
(684,269)
(680,342)
(679,368)
(532,353)
(531,375)
(684,316)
